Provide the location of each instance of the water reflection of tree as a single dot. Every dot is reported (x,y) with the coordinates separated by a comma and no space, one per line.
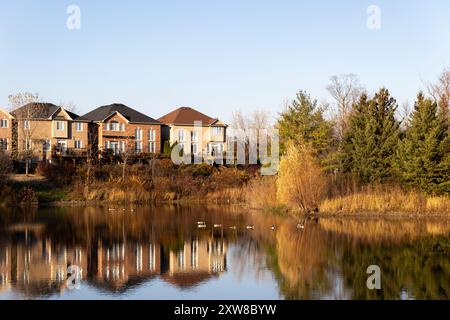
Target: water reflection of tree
(329,259)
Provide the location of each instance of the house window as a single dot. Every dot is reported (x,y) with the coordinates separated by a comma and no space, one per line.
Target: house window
(47,145)
(114,146)
(26,124)
(138,146)
(194,148)
(181,136)
(78,144)
(152,147)
(217,131)
(59,125)
(27,144)
(215,149)
(4,123)
(138,134)
(194,136)
(4,144)
(122,127)
(79,126)
(114,126)
(151,135)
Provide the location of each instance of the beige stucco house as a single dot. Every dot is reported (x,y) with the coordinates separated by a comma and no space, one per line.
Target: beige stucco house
(196,132)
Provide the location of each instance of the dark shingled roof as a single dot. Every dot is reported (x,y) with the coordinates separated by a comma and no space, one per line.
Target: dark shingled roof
(186,115)
(101,113)
(39,110)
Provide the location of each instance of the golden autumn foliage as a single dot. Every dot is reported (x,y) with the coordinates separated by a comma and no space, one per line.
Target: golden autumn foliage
(301,181)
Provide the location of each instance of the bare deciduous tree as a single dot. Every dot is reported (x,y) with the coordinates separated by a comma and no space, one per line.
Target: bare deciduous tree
(128,151)
(441,91)
(26,127)
(345,90)
(69,106)
(244,126)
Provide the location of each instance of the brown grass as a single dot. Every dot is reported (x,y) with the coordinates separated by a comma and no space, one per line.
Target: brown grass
(260,193)
(382,199)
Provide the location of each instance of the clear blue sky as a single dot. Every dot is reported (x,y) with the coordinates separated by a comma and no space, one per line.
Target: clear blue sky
(217,56)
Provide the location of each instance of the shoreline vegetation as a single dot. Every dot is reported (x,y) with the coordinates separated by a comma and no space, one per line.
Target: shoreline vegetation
(65,185)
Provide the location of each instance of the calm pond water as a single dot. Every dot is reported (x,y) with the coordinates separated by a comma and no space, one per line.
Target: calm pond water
(163,253)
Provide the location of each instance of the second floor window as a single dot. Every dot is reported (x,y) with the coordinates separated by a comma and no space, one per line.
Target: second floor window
(26,124)
(59,125)
(217,131)
(4,123)
(180,135)
(151,135)
(79,126)
(114,126)
(138,134)
(194,136)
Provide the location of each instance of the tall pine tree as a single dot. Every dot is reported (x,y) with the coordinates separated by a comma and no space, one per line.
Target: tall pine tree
(423,156)
(303,122)
(370,141)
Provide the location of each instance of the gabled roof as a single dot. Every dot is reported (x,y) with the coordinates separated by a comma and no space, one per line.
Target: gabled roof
(187,116)
(6,112)
(104,112)
(40,111)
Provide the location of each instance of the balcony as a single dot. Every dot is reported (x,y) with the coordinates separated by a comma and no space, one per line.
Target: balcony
(63,152)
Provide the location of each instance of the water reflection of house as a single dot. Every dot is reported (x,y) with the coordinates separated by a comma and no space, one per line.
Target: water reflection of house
(37,266)
(120,263)
(196,262)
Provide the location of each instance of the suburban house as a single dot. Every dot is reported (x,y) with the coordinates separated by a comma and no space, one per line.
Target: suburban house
(6,123)
(198,133)
(44,130)
(121,129)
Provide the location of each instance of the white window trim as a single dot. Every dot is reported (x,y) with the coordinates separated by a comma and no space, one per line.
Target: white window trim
(61,123)
(4,123)
(181,135)
(151,146)
(79,126)
(78,144)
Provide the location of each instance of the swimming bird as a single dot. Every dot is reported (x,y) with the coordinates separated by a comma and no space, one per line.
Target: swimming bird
(272,228)
(202,226)
(250,227)
(300,226)
(217,226)
(233,227)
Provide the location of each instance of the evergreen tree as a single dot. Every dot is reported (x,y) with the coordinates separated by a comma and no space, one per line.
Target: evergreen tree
(303,122)
(371,139)
(423,156)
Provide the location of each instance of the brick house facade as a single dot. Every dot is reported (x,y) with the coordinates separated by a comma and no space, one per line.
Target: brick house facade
(121,129)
